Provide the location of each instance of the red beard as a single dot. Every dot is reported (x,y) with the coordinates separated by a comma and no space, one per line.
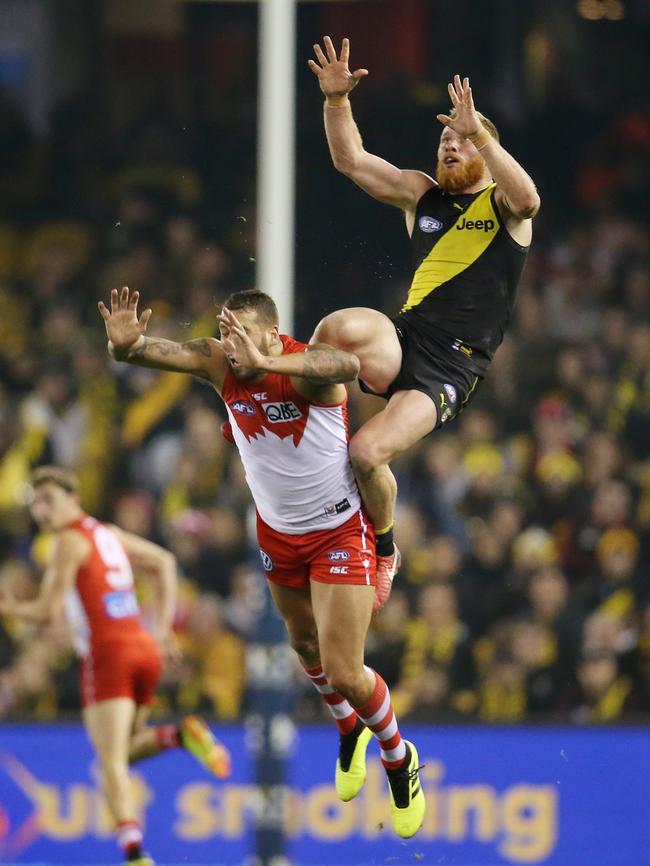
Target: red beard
(460,176)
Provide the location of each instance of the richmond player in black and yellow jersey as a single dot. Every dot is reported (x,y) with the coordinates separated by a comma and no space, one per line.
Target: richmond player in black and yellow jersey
(470,230)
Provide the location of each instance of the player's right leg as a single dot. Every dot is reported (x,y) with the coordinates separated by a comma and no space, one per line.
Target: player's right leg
(109,724)
(371,336)
(343,615)
(295,607)
(287,563)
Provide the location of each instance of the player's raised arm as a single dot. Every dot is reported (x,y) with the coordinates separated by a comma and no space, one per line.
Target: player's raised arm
(127,342)
(321,364)
(70,552)
(380,179)
(161,564)
(515,187)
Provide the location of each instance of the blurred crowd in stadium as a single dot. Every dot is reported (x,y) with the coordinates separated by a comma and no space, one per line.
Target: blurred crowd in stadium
(524,525)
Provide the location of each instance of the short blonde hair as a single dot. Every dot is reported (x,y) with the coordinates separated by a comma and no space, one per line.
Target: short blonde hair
(56,475)
(485,122)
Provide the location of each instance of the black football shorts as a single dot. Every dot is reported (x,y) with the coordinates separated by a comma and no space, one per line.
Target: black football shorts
(429,365)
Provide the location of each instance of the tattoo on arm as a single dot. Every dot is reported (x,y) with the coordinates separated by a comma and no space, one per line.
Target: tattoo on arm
(329,365)
(186,357)
(168,347)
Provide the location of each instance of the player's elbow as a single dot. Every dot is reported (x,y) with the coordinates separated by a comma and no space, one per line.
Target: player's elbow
(349,160)
(344,163)
(49,611)
(528,207)
(168,564)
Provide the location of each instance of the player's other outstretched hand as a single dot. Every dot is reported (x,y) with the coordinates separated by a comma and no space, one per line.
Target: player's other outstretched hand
(123,328)
(466,121)
(170,649)
(240,350)
(7,600)
(334,74)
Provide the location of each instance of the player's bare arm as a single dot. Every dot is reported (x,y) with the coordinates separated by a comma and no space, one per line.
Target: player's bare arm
(321,363)
(380,179)
(70,552)
(321,366)
(146,556)
(517,196)
(127,341)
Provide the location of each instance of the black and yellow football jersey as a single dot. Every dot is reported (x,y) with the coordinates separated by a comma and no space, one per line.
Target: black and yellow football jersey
(467,268)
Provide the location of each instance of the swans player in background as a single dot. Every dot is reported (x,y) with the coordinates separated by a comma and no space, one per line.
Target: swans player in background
(90,577)
(287,407)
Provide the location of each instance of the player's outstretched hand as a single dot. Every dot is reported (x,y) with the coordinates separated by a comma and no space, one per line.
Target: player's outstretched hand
(466,120)
(123,328)
(7,600)
(169,649)
(240,350)
(334,74)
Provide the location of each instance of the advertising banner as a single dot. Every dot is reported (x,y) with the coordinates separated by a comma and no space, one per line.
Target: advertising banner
(495,797)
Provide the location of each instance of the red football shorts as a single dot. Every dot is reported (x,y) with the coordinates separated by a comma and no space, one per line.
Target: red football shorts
(124,669)
(343,555)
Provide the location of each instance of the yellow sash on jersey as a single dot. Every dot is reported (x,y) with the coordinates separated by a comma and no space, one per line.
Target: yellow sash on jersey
(457,249)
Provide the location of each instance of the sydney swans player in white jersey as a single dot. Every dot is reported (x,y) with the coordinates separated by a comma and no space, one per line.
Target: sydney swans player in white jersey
(287,407)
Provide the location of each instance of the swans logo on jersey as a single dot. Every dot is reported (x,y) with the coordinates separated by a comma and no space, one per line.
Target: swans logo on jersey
(429,224)
(119,605)
(242,408)
(267,562)
(451,393)
(280,413)
(338,555)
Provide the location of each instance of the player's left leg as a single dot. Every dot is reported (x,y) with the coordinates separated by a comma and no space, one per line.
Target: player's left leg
(109,724)
(342,613)
(192,734)
(407,417)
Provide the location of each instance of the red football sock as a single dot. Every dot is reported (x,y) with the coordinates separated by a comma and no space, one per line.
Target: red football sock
(377,714)
(344,715)
(168,737)
(129,837)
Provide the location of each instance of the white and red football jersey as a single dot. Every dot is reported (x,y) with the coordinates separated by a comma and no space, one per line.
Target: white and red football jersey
(101,607)
(295,452)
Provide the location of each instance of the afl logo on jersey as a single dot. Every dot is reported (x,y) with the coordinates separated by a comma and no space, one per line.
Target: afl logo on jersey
(267,562)
(338,555)
(242,408)
(429,224)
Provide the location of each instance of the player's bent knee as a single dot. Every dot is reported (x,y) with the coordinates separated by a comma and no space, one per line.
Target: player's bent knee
(344,681)
(307,649)
(338,329)
(114,771)
(365,456)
